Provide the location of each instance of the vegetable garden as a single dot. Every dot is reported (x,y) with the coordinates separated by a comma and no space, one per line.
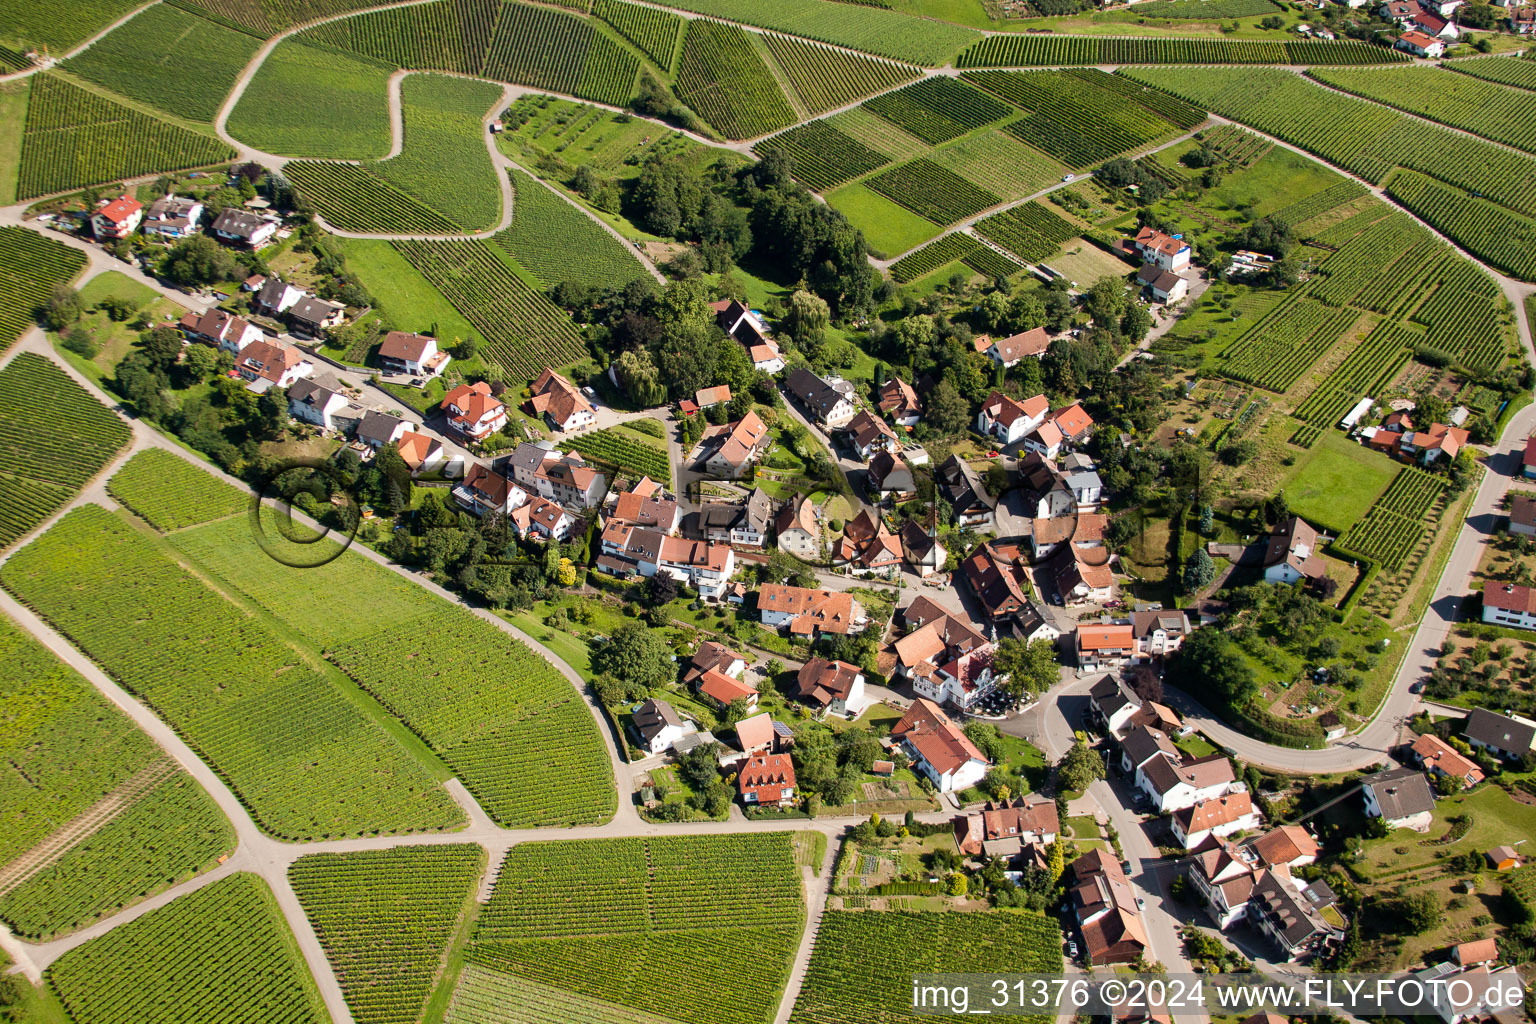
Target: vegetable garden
(625,451)
(862,964)
(557,242)
(170,493)
(1031,232)
(932,192)
(53,438)
(385,918)
(523,330)
(75,137)
(300,754)
(938,109)
(822,157)
(30,265)
(825,78)
(222,953)
(1003,51)
(723,78)
(1394,525)
(170,59)
(656,924)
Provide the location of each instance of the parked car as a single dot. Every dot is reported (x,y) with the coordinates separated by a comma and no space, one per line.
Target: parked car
(1072,949)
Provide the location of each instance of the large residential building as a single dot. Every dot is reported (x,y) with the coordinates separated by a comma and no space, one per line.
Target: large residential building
(995,576)
(810,613)
(939,748)
(1002,828)
(705,567)
(472,412)
(559,403)
(944,657)
(412,353)
(1169,252)
(1008,420)
(1255,883)
(833,407)
(1103,645)
(1401,797)
(1172,784)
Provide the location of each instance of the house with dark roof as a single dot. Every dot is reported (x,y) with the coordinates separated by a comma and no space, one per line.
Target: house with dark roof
(959,484)
(868,546)
(832,407)
(1162,285)
(275,297)
(317,400)
(890,478)
(1294,553)
(221,329)
(264,365)
(1106,910)
(658,726)
(1401,797)
(378,429)
(833,687)
(868,434)
(744,525)
(174,217)
(1506,736)
(234,226)
(310,316)
(1111,703)
(997,580)
(1173,784)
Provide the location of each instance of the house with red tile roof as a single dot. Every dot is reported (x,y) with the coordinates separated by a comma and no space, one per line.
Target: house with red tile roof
(833,687)
(1294,553)
(899,401)
(1420,44)
(810,613)
(705,398)
(483,490)
(1010,351)
(557,400)
(1440,758)
(1009,420)
(224,330)
(1001,827)
(868,545)
(1430,445)
(719,690)
(868,434)
(117,219)
(1167,251)
(1106,910)
(472,412)
(1074,423)
(265,365)
(767,780)
(1103,645)
(1218,816)
(540,519)
(756,735)
(413,353)
(939,748)
(729,450)
(1509,604)
(997,580)
(421,453)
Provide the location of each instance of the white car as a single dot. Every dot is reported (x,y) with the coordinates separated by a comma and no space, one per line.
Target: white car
(1068,177)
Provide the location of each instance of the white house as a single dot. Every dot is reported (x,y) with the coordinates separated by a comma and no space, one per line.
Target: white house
(472,412)
(1009,420)
(1222,816)
(1164,285)
(412,353)
(962,680)
(540,519)
(216,327)
(118,218)
(1509,604)
(1420,44)
(834,687)
(1170,252)
(316,401)
(832,408)
(1111,703)
(1510,737)
(173,217)
(557,400)
(1173,786)
(276,296)
(1401,797)
(1293,553)
(1010,351)
(483,490)
(242,227)
(264,365)
(939,748)
(658,726)
(378,429)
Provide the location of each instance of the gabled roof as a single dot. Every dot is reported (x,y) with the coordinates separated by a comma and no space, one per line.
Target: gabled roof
(1213,813)
(711,656)
(1202,773)
(961,485)
(1401,792)
(1436,753)
(653,716)
(1073,420)
(473,402)
(119,209)
(1018,346)
(556,397)
(409,347)
(798,514)
(868,428)
(1294,543)
(706,397)
(723,688)
(415,449)
(820,681)
(1510,597)
(1109,695)
(884,469)
(814,392)
(378,427)
(897,396)
(1502,731)
(767,776)
(1002,409)
(1284,845)
(936,738)
(824,610)
(1142,744)
(755,732)
(1105,637)
(737,442)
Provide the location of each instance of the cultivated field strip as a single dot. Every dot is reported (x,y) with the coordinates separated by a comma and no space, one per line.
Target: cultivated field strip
(30,265)
(1394,525)
(171,494)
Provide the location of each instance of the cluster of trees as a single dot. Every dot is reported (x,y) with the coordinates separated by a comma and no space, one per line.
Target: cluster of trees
(1123,173)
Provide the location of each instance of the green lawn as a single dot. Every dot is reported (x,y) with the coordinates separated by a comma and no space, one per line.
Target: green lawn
(1497,820)
(115,338)
(1336,481)
(398,289)
(1195,745)
(887,227)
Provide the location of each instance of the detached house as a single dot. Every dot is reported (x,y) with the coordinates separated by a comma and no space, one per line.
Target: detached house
(728,451)
(1430,445)
(1169,252)
(118,218)
(242,227)
(961,486)
(1509,604)
(1106,910)
(1100,646)
(868,545)
(835,687)
(810,613)
(1010,351)
(412,353)
(378,429)
(557,400)
(317,401)
(658,726)
(742,324)
(1008,420)
(832,408)
(420,453)
(1163,285)
(1293,553)
(1420,44)
(868,434)
(483,490)
(767,780)
(997,581)
(264,365)
(1401,797)
(310,316)
(173,217)
(1220,816)
(471,411)
(1509,737)
(1172,785)
(540,519)
(1004,828)
(275,297)
(939,748)
(900,402)
(798,529)
(225,331)
(1439,758)
(890,478)
(943,656)
(1112,703)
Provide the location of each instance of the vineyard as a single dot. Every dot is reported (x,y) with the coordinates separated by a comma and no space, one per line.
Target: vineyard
(299,753)
(266,18)
(443,162)
(1365,138)
(1031,232)
(489,997)
(1504,70)
(1000,163)
(1487,111)
(1365,372)
(657,925)
(68,745)
(515,731)
(170,493)
(53,438)
(858,27)
(60,24)
(1072,117)
(932,192)
(168,834)
(274,112)
(947,249)
(75,137)
(938,109)
(523,330)
(1170,108)
(1504,240)
(385,918)
(178,62)
(1319,203)
(30,265)
(1275,352)
(825,78)
(723,78)
(1239,146)
(353,198)
(654,31)
(1214,10)
(1005,51)
(222,953)
(822,157)
(556,242)
(1393,527)
(1463,316)
(625,451)
(863,962)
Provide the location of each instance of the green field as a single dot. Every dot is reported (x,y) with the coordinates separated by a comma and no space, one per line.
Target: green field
(68,746)
(385,918)
(1486,110)
(887,227)
(444,161)
(178,62)
(222,953)
(863,961)
(76,137)
(653,925)
(30,265)
(1332,486)
(304,755)
(1000,163)
(170,493)
(53,438)
(276,112)
(557,242)
(407,299)
(13,122)
(513,729)
(58,24)
(167,834)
